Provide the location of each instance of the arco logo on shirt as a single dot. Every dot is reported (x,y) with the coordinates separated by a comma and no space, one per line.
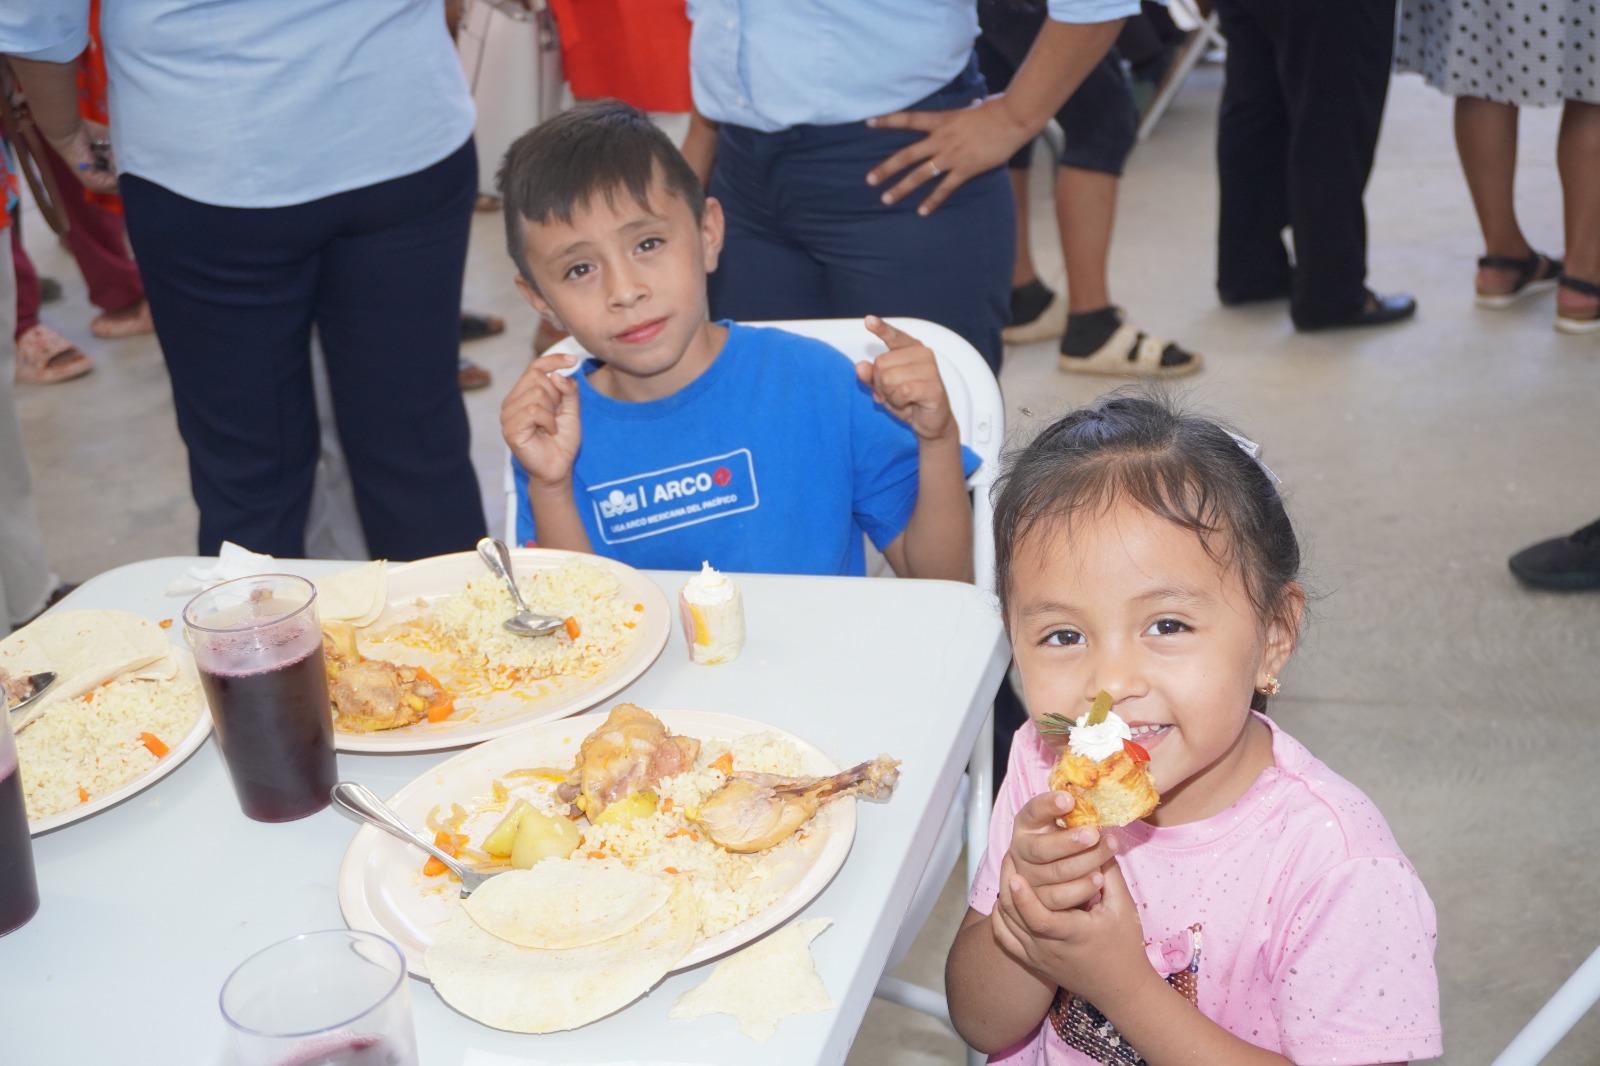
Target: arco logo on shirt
(660,501)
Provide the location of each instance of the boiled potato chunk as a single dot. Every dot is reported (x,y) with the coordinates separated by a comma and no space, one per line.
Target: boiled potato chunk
(628,809)
(541,836)
(500,839)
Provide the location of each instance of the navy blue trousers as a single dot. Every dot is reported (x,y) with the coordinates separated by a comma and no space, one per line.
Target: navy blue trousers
(807,237)
(235,293)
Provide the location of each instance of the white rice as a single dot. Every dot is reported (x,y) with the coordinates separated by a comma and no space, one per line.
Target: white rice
(585,593)
(728,888)
(92,743)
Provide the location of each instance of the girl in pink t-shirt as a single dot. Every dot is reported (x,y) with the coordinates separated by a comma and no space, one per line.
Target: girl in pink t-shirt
(1263,913)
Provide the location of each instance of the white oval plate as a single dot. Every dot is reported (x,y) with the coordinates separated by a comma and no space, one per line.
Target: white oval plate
(381,888)
(505,712)
(176,755)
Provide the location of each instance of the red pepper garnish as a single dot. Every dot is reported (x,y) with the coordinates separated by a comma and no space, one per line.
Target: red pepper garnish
(1137,753)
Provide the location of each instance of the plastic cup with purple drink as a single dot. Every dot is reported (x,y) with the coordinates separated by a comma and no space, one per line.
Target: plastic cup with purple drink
(258,645)
(19,890)
(331,998)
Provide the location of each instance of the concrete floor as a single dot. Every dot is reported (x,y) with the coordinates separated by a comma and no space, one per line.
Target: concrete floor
(1415,458)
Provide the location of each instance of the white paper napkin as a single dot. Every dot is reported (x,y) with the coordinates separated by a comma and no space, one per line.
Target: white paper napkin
(232,561)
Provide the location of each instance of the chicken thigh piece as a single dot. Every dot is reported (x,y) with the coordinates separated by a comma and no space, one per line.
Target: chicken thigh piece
(754,812)
(628,753)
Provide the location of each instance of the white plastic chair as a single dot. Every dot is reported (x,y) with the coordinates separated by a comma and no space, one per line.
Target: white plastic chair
(980,415)
(1556,1018)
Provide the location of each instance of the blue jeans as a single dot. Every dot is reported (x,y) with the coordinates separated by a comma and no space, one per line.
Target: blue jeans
(807,237)
(377,270)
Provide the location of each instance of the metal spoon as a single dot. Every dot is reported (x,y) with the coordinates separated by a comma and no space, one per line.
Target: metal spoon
(525,623)
(37,685)
(358,803)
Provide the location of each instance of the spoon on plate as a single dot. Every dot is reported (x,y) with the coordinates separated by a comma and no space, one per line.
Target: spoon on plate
(358,803)
(36,685)
(525,623)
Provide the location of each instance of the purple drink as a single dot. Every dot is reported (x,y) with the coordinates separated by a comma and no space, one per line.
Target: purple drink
(348,1051)
(276,733)
(259,649)
(19,891)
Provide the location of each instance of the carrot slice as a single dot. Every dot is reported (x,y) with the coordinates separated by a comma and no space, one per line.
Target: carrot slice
(83,796)
(723,762)
(153,745)
(442,710)
(573,630)
(165,623)
(433,867)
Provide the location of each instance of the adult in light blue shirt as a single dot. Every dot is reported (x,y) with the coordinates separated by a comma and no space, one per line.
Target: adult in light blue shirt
(289,165)
(806,111)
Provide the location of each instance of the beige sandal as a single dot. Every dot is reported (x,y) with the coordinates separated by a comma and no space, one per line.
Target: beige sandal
(128,322)
(45,357)
(1131,353)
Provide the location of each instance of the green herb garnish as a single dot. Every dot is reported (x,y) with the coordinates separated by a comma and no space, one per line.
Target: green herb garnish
(1060,723)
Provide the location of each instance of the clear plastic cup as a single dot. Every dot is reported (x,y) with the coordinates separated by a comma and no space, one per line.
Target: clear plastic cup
(19,889)
(332,998)
(258,645)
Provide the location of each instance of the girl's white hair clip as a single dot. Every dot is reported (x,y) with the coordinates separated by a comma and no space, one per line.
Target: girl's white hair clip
(1253,450)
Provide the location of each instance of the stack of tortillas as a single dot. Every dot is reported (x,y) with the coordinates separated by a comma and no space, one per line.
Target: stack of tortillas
(85,649)
(560,945)
(357,595)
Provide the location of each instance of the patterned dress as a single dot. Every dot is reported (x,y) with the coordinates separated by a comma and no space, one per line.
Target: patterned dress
(1522,52)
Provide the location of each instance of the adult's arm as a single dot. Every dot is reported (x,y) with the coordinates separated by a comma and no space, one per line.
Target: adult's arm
(963,144)
(52,92)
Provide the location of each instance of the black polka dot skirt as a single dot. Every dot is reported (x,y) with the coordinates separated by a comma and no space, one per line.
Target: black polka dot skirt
(1523,52)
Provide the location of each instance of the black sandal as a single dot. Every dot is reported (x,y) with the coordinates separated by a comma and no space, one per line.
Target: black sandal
(1568,324)
(1537,273)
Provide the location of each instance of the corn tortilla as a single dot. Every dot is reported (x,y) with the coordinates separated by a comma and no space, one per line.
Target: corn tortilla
(565,903)
(526,990)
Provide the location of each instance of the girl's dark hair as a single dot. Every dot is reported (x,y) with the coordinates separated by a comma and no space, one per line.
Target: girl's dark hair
(1139,447)
(599,147)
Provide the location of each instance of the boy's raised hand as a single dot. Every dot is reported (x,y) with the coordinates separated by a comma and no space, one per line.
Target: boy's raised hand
(905,379)
(539,420)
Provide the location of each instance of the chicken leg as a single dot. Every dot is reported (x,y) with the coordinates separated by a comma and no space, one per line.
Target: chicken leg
(754,812)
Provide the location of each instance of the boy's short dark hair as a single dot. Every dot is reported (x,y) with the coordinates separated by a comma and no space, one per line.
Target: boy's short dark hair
(599,147)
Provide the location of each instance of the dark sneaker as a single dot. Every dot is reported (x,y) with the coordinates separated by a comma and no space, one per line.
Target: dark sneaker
(1564,564)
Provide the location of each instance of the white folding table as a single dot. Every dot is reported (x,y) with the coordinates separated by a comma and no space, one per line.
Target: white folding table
(146,907)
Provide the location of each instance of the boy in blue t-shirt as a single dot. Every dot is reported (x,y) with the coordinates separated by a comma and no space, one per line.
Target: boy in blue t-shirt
(686,439)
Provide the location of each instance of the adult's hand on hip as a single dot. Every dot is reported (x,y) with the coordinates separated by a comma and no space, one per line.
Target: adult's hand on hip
(959,146)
